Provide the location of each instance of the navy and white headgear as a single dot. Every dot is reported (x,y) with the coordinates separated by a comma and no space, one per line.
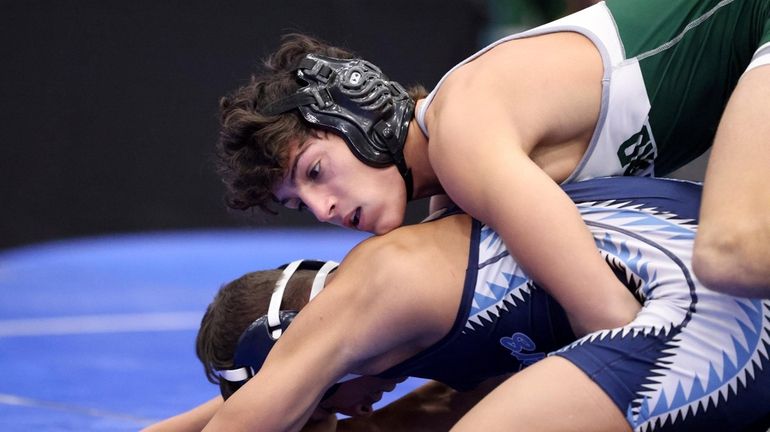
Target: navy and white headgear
(355,99)
(258,339)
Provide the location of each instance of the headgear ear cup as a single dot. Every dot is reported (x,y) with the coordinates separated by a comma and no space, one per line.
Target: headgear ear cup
(227,388)
(355,99)
(259,338)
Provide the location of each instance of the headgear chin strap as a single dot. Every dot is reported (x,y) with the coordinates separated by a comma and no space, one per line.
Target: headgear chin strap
(258,339)
(355,99)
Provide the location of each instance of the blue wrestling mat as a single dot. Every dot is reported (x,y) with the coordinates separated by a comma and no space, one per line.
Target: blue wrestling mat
(99,334)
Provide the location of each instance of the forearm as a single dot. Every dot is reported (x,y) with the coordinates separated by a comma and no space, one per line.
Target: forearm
(539,224)
(431,407)
(551,242)
(732,247)
(280,397)
(192,420)
(557,250)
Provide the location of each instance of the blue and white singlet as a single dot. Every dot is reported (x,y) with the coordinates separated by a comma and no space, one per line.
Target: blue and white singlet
(693,359)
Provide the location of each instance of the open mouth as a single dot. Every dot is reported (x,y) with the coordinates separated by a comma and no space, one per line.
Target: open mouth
(356,218)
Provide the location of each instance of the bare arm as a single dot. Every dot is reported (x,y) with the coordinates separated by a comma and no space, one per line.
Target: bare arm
(341,331)
(732,247)
(190,421)
(479,151)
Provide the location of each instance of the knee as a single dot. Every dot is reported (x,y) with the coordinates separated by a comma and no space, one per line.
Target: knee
(734,260)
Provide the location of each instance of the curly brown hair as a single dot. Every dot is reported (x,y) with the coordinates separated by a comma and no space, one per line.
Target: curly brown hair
(253,148)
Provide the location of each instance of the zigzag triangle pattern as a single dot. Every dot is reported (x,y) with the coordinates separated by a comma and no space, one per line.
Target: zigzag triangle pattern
(722,372)
(640,218)
(492,298)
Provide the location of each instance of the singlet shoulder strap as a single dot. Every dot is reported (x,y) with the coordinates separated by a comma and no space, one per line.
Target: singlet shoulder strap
(419,114)
(444,212)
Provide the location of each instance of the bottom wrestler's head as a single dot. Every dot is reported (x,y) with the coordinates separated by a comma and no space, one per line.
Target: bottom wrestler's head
(250,313)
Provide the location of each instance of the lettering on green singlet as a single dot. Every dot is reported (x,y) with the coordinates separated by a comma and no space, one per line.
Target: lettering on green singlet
(637,153)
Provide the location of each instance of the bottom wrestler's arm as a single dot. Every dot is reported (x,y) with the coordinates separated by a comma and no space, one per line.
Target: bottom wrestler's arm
(432,407)
(331,337)
(192,420)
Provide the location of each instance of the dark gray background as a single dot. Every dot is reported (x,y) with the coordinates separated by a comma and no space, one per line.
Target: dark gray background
(109,107)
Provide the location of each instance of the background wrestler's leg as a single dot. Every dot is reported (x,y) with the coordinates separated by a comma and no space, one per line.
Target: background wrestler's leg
(732,247)
(551,395)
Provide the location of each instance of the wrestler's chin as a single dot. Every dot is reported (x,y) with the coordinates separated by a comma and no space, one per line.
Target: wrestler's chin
(387,223)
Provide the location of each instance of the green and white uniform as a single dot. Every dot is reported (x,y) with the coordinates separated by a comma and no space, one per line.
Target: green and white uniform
(669,69)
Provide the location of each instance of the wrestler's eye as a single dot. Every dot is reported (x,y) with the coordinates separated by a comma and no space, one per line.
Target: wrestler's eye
(314,171)
(301,206)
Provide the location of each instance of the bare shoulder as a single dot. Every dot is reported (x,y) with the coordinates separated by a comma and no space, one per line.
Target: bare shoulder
(409,281)
(424,257)
(419,243)
(524,87)
(529,64)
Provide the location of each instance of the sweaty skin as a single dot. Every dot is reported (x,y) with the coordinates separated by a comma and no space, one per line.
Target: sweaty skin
(732,248)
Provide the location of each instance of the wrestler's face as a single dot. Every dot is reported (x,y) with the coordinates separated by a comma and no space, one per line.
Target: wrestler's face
(325,178)
(355,397)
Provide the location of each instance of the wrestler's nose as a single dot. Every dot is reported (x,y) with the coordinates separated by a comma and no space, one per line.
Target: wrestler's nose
(323,207)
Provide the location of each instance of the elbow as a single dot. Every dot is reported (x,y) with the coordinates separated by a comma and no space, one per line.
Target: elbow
(734,260)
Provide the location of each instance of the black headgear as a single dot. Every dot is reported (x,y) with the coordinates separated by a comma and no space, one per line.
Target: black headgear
(355,99)
(258,339)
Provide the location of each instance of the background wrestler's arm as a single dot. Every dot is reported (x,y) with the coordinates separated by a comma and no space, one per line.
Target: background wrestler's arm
(365,311)
(189,421)
(732,247)
(431,407)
